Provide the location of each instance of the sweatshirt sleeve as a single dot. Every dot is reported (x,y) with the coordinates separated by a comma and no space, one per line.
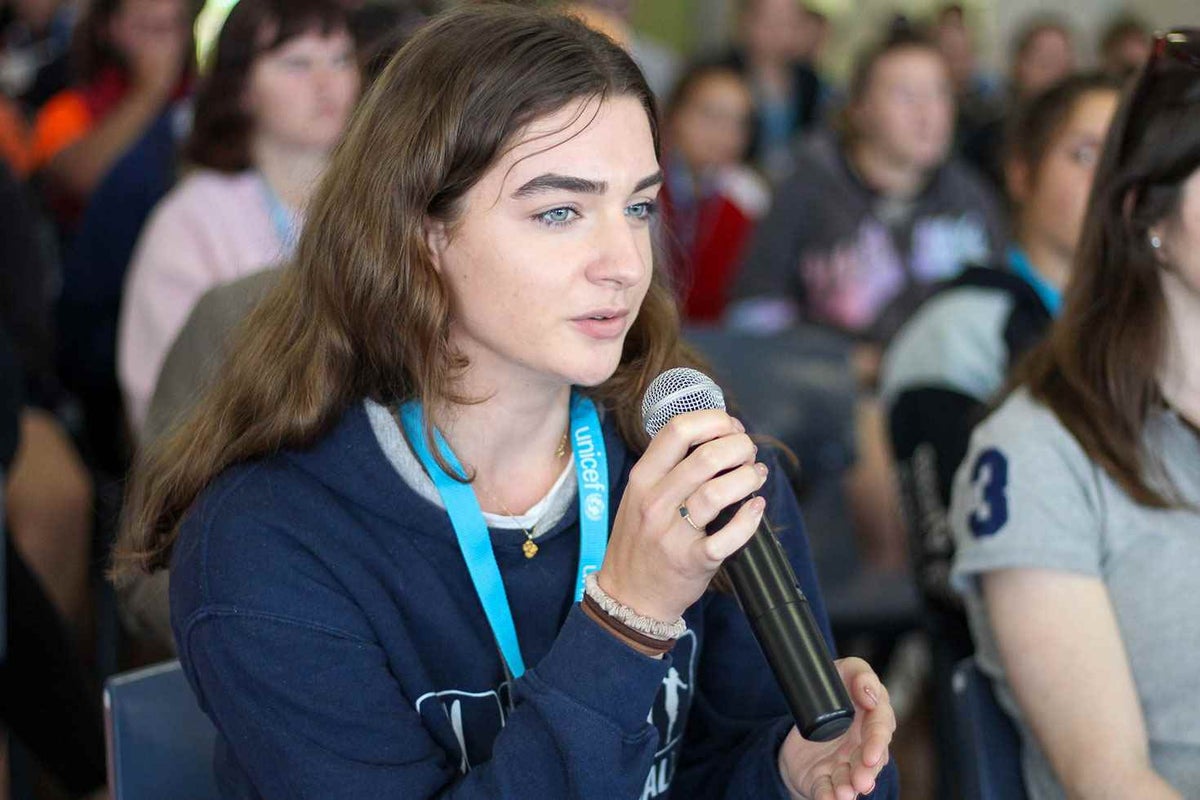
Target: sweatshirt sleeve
(739,717)
(309,709)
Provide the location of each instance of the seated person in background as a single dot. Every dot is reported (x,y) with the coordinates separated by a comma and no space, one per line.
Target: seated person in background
(951,359)
(47,702)
(281,86)
(978,93)
(711,199)
(1042,54)
(769,54)
(976,90)
(1076,513)
(477,272)
(48,489)
(134,60)
(195,357)
(854,239)
(873,216)
(1125,46)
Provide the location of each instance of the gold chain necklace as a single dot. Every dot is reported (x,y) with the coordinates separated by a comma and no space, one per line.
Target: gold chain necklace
(530,547)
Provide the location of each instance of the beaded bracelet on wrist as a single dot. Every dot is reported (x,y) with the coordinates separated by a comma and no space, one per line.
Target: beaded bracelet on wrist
(654,648)
(649,626)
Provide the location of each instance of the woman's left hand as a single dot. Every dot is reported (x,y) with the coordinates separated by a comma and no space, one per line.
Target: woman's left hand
(847,766)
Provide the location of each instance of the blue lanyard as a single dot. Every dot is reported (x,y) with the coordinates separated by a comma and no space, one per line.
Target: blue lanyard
(591,469)
(283,220)
(1050,296)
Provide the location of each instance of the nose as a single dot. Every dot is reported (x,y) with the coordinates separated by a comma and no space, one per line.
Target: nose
(323,77)
(327,75)
(622,252)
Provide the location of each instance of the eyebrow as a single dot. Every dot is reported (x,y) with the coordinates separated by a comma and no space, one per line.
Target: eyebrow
(551,182)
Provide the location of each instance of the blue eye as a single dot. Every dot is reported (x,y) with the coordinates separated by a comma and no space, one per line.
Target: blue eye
(557,217)
(643,210)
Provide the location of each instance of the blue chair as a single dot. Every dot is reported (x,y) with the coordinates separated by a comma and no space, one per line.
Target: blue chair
(160,744)
(989,746)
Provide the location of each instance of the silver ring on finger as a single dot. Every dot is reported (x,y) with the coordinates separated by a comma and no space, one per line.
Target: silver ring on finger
(683,512)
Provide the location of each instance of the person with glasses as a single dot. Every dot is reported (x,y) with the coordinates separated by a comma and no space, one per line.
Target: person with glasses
(1076,513)
(405,520)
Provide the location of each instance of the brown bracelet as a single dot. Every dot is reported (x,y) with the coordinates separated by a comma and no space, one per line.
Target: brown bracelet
(646,645)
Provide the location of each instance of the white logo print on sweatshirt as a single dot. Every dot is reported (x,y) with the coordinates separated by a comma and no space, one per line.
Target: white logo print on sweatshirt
(476,718)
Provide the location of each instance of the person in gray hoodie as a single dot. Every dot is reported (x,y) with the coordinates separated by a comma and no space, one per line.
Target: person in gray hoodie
(875,213)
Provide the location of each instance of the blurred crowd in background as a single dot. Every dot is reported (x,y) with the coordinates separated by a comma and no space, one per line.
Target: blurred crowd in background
(154,167)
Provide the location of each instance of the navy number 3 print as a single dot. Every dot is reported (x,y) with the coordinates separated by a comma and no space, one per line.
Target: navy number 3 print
(989,476)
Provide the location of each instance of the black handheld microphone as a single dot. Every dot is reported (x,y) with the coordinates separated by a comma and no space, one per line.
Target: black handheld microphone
(765,585)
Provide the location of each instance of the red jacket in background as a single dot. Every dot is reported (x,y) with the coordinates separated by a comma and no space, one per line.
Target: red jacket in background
(706,237)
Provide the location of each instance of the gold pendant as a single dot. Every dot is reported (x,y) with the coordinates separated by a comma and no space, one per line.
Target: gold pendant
(530,548)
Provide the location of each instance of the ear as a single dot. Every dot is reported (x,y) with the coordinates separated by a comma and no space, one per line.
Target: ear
(1154,233)
(1018,180)
(437,239)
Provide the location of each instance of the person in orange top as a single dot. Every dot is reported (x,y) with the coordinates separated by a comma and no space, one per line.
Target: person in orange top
(134,59)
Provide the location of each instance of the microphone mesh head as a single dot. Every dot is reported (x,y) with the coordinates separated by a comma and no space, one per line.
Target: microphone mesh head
(678,391)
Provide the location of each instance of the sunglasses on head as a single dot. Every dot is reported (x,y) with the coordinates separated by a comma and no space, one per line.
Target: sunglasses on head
(1177,50)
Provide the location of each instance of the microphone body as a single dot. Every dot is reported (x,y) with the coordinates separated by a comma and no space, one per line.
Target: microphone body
(785,628)
(766,587)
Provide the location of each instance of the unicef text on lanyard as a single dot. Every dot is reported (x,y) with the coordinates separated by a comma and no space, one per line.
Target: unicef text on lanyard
(591,470)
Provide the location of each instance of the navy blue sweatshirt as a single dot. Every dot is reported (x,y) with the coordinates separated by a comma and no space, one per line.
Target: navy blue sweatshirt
(328,625)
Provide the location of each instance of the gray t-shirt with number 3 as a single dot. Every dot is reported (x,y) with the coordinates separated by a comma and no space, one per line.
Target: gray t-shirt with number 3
(1027,496)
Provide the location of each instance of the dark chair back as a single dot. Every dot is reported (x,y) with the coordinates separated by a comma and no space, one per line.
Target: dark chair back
(160,744)
(989,746)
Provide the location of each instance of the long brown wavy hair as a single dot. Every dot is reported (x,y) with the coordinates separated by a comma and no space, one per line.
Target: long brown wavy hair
(1098,368)
(362,313)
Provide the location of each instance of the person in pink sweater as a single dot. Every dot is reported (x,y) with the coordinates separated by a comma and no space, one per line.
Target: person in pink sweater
(280,88)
